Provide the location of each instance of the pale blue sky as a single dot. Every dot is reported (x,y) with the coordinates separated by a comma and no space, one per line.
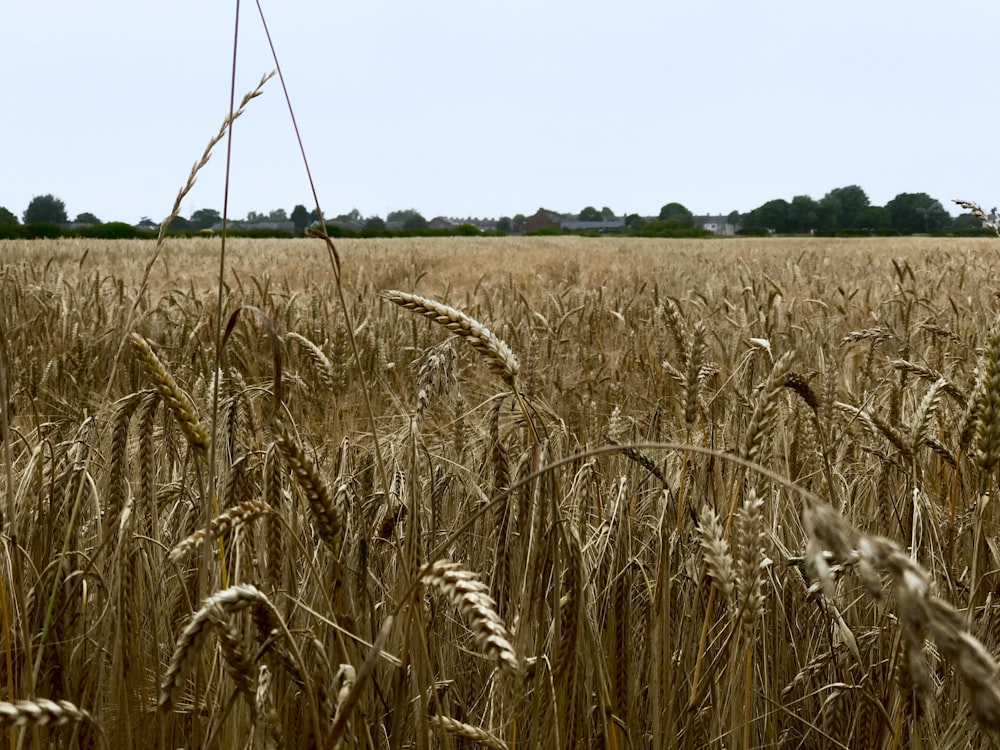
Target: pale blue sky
(487,108)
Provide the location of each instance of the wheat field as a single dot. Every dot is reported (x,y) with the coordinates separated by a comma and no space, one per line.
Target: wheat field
(504,492)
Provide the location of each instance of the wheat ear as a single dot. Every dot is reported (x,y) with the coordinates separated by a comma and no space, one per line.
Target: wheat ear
(987,440)
(328,509)
(218,607)
(41,712)
(179,402)
(498,355)
(324,367)
(766,407)
(221,525)
(469,595)
(468,731)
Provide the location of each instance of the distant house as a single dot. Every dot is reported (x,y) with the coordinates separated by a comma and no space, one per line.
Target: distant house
(608,225)
(283,226)
(543,218)
(483,225)
(716,224)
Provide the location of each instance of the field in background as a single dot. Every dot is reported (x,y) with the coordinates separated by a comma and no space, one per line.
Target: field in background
(624,597)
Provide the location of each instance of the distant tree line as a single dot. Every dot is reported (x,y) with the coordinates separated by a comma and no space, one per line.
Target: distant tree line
(848,211)
(843,211)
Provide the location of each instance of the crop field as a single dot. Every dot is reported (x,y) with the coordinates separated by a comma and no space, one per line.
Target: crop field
(500,492)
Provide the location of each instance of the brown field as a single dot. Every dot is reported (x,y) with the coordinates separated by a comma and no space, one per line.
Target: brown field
(723,494)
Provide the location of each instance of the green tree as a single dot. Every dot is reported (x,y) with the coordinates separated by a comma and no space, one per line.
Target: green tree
(874,217)
(966,222)
(505,225)
(86,218)
(278,214)
(7,218)
(773,215)
(180,224)
(300,218)
(734,218)
(803,214)
(45,209)
(415,221)
(842,207)
(607,214)
(374,224)
(205,218)
(590,214)
(399,218)
(519,221)
(679,213)
(635,222)
(917,212)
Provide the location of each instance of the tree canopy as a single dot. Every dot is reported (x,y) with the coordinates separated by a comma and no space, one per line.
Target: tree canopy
(842,208)
(591,214)
(679,213)
(773,216)
(205,218)
(7,218)
(917,212)
(47,209)
(416,221)
(86,218)
(300,217)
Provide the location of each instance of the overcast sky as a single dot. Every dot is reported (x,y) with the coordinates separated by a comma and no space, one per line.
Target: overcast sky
(488,109)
